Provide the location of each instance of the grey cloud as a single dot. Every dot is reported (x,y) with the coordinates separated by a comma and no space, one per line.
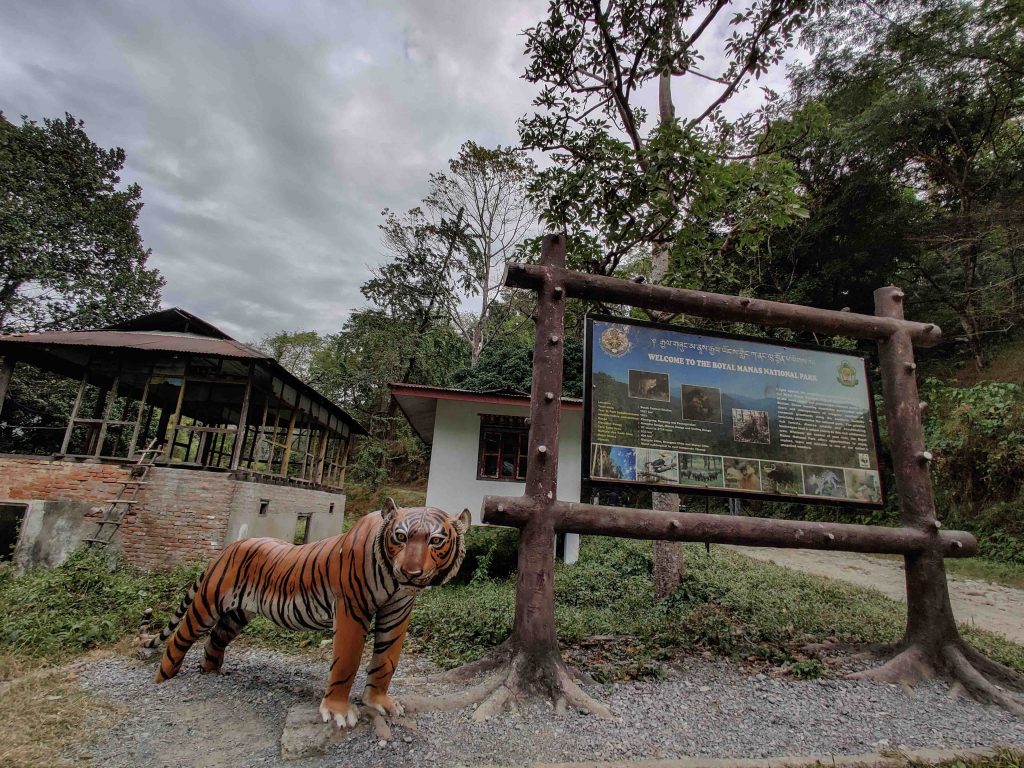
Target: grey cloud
(267,138)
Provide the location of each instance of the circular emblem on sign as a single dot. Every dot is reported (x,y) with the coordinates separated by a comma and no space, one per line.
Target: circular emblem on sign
(615,341)
(846,374)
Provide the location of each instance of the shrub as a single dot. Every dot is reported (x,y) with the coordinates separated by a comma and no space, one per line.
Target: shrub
(82,603)
(491,553)
(977,436)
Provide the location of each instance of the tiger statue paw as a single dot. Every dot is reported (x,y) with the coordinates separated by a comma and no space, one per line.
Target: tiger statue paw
(342,715)
(383,703)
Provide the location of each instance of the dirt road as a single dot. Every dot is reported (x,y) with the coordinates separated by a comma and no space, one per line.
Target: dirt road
(989,606)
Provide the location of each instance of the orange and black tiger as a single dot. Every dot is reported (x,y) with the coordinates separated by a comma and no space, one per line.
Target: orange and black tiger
(370,574)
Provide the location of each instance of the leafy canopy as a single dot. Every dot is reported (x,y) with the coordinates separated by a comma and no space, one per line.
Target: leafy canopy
(70,251)
(626,182)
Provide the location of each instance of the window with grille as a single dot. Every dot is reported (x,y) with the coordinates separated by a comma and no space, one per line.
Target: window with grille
(503,448)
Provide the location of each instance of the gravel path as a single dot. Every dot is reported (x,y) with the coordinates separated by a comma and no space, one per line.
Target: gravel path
(704,708)
(989,606)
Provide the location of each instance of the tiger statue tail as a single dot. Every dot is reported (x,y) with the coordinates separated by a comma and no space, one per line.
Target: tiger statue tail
(195,618)
(155,641)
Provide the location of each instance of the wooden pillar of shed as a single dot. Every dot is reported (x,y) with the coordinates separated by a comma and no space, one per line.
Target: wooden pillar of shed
(172,423)
(6,371)
(287,457)
(108,406)
(74,412)
(259,435)
(344,460)
(243,422)
(138,419)
(325,438)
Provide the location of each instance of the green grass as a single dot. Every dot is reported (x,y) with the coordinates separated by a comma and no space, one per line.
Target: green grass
(1008,574)
(607,618)
(1006,758)
(981,569)
(57,613)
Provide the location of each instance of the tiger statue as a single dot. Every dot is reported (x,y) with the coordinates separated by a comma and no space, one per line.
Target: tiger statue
(370,574)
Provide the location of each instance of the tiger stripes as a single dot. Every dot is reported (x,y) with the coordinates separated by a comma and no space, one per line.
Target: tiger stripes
(368,576)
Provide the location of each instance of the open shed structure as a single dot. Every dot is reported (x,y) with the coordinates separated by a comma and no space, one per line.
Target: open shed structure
(172,380)
(227,433)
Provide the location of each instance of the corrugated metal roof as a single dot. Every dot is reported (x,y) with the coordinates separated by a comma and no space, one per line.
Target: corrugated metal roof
(171,319)
(171,330)
(152,341)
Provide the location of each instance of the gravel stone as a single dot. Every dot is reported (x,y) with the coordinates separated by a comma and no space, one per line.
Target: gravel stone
(703,708)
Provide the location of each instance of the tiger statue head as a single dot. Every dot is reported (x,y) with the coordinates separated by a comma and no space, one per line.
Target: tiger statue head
(422,545)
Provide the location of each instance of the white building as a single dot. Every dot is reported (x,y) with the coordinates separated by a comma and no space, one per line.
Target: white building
(479,446)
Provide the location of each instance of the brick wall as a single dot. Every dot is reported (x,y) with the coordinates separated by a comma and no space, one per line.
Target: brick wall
(29,478)
(183,515)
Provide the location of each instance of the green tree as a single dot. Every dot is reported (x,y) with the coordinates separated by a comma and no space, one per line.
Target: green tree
(674,185)
(298,351)
(70,251)
(450,252)
(931,96)
(489,188)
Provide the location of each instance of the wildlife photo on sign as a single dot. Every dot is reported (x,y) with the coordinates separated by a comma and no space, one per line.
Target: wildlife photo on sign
(646,385)
(702,403)
(671,407)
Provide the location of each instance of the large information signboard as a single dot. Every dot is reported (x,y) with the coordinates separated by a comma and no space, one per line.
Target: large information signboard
(679,409)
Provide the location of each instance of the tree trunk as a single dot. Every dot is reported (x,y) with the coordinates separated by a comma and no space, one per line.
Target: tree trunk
(476,344)
(534,632)
(971,330)
(529,661)
(668,555)
(932,645)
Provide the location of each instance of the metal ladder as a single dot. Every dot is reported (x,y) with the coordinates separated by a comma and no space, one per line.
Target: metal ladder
(113,517)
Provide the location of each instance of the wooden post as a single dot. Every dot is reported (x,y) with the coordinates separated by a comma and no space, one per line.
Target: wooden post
(614,290)
(534,630)
(172,424)
(138,419)
(74,413)
(243,419)
(344,460)
(161,426)
(258,435)
(307,435)
(287,457)
(930,621)
(6,372)
(658,525)
(325,438)
(269,464)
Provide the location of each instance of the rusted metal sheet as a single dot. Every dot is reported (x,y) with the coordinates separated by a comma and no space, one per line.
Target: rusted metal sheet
(718,306)
(146,341)
(659,525)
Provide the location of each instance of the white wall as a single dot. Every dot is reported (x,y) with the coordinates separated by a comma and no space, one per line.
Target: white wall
(452,484)
(286,503)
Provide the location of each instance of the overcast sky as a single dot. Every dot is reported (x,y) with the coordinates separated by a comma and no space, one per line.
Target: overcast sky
(268,137)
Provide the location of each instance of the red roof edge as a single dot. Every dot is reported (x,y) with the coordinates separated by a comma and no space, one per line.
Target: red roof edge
(466,395)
